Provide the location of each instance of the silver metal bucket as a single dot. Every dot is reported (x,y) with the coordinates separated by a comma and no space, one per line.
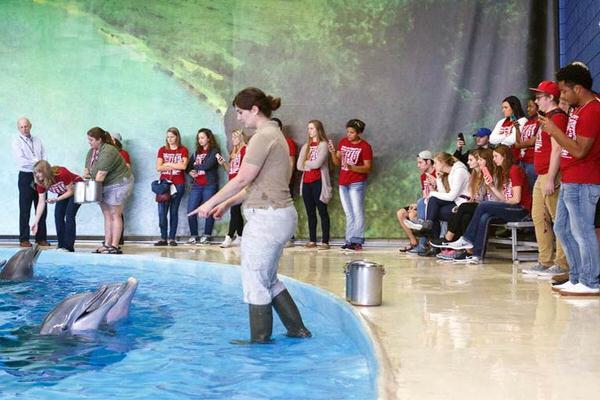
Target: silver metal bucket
(364,283)
(87,192)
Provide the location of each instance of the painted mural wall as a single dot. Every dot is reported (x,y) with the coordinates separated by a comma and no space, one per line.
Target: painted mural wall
(416,72)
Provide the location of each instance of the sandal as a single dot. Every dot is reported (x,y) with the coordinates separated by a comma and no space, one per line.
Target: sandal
(408,247)
(101,249)
(112,250)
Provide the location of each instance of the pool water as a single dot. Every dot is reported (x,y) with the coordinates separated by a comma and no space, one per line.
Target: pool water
(175,343)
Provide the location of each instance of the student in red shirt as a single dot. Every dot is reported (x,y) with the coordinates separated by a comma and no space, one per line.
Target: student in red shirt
(239,141)
(171,162)
(525,140)
(57,180)
(315,183)
(354,156)
(580,180)
(510,184)
(546,160)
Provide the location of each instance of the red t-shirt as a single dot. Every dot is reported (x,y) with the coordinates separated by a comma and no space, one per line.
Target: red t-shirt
(312,175)
(292,146)
(62,179)
(236,162)
(527,132)
(353,154)
(583,121)
(201,178)
(543,144)
(125,156)
(173,156)
(427,188)
(517,177)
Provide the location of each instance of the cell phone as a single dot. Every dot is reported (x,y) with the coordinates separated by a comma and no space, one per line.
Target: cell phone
(486,173)
(541,113)
(461,136)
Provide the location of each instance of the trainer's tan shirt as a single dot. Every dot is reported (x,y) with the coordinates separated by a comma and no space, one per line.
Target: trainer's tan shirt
(269,151)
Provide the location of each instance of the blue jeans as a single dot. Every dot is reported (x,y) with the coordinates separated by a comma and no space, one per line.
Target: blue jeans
(198,196)
(353,203)
(422,214)
(477,230)
(172,208)
(438,211)
(574,227)
(530,172)
(65,212)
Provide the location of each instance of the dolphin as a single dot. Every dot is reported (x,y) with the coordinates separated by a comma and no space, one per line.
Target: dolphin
(88,310)
(20,266)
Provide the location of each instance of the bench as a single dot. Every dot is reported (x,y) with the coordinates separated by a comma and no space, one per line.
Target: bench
(520,250)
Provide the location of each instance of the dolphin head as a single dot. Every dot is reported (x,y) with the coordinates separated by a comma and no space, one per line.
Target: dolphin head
(20,266)
(86,311)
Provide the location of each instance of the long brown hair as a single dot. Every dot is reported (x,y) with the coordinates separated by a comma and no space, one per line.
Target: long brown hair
(476,182)
(501,172)
(449,160)
(100,134)
(321,137)
(243,142)
(47,171)
(212,141)
(175,132)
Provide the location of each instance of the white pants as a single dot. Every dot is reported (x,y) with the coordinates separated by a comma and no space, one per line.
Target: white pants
(265,235)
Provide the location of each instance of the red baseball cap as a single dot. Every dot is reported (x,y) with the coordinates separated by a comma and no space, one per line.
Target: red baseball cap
(548,87)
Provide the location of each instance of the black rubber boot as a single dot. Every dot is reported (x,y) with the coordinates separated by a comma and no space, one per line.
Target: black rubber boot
(261,323)
(290,316)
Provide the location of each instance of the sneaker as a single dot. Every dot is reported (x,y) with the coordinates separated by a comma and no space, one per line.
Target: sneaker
(205,239)
(535,270)
(419,225)
(172,243)
(345,246)
(468,260)
(460,255)
(460,244)
(237,241)
(566,285)
(430,252)
(227,242)
(447,254)
(354,247)
(192,240)
(324,246)
(310,245)
(161,243)
(548,273)
(439,243)
(416,250)
(580,290)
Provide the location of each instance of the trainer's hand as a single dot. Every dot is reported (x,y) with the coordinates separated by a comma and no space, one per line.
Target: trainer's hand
(34,228)
(203,211)
(219,211)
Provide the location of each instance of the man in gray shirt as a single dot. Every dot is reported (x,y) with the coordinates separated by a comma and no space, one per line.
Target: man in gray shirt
(27,151)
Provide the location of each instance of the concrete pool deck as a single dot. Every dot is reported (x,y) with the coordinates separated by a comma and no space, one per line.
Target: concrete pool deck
(452,330)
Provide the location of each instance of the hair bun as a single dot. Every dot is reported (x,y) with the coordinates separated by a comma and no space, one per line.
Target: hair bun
(275,102)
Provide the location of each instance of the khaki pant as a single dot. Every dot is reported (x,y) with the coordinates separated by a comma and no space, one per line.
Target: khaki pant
(543,212)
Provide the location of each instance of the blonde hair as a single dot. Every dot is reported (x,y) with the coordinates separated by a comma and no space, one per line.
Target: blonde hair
(449,160)
(239,133)
(47,172)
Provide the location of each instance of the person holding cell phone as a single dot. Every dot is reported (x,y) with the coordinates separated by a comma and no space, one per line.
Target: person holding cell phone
(204,169)
(171,162)
(525,140)
(546,161)
(508,183)
(482,141)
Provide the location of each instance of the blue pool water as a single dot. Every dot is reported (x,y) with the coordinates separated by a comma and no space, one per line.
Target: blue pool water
(175,343)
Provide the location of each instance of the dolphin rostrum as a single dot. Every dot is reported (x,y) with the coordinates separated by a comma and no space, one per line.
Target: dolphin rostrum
(86,311)
(20,266)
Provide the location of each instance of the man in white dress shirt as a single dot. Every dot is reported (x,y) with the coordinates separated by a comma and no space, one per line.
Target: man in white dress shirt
(27,151)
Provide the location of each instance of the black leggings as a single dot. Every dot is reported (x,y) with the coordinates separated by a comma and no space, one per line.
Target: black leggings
(236,222)
(459,221)
(310,194)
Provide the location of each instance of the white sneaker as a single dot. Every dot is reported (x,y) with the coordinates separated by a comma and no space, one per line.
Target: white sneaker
(237,241)
(580,290)
(460,244)
(227,242)
(191,240)
(204,240)
(566,285)
(414,225)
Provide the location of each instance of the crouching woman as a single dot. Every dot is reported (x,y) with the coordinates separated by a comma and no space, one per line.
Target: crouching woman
(57,180)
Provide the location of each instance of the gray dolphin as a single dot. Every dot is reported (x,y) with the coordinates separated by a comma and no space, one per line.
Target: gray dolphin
(20,266)
(86,311)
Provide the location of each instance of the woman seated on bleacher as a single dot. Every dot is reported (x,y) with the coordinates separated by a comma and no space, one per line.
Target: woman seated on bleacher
(509,183)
